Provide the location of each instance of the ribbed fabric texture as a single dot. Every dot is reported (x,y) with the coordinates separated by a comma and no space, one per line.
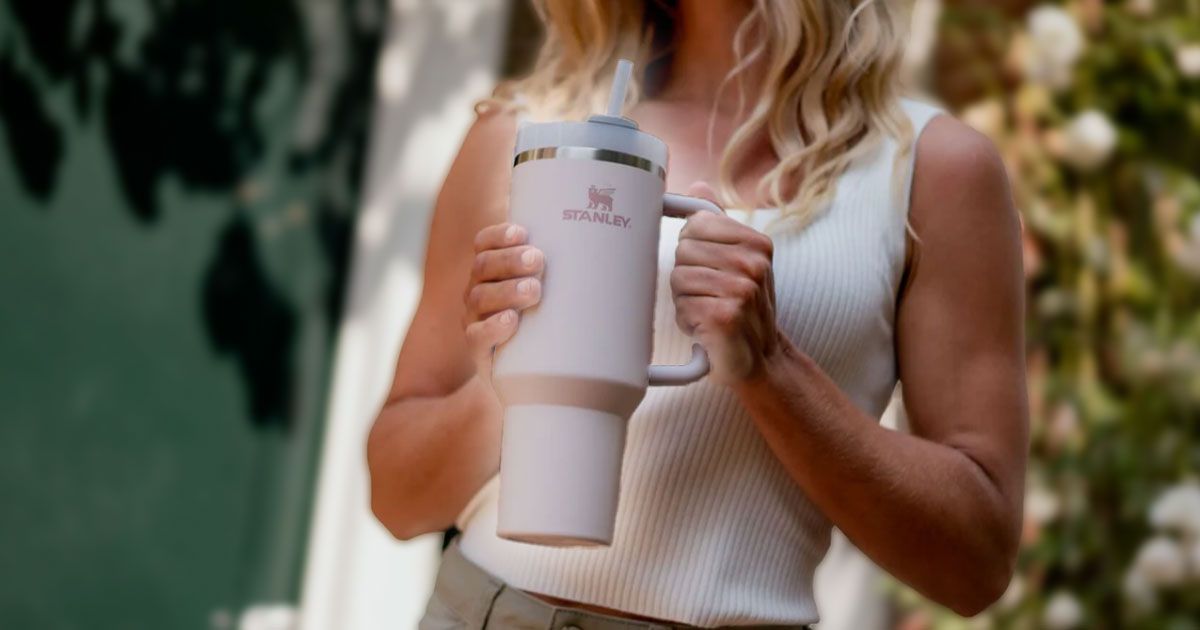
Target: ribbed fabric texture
(711,530)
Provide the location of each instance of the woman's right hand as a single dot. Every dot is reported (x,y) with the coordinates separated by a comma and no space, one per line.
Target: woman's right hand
(506,278)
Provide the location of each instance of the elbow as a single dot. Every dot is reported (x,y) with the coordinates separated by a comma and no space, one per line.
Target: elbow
(401,514)
(398,512)
(399,523)
(979,598)
(987,583)
(390,502)
(978,573)
(985,564)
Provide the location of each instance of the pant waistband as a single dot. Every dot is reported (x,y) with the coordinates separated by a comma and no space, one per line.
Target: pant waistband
(483,600)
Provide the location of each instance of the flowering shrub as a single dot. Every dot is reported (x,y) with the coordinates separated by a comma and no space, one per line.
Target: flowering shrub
(1095,107)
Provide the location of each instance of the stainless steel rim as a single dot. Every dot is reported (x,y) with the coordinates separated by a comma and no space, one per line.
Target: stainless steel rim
(591,153)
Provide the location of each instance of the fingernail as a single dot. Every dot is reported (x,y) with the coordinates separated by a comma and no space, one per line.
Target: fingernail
(529,257)
(524,286)
(507,317)
(510,233)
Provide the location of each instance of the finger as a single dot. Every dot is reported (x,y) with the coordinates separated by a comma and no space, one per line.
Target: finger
(509,262)
(706,226)
(739,258)
(483,336)
(487,298)
(717,228)
(690,280)
(500,235)
(694,311)
(709,254)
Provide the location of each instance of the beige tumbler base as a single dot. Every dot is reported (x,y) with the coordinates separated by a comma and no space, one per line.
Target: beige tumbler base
(560,474)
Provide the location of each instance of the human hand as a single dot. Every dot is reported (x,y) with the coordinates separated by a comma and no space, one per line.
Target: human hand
(505,279)
(724,291)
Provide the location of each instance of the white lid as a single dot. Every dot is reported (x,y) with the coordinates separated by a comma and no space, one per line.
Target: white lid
(593,133)
(609,131)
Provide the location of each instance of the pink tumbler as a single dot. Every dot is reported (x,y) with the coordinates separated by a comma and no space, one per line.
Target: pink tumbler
(591,195)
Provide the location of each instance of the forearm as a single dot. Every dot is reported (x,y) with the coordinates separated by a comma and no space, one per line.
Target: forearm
(926,512)
(428,456)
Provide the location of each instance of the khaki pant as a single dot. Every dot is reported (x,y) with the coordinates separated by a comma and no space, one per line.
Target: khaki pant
(466,597)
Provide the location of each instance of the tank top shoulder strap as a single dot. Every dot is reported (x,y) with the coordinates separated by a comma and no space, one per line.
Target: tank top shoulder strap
(919,114)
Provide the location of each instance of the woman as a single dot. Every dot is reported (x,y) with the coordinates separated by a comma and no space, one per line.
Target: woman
(885,248)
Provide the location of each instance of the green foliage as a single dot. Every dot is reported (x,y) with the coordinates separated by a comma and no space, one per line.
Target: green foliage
(1112,241)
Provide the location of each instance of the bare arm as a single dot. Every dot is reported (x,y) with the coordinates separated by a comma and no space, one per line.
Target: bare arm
(939,509)
(437,438)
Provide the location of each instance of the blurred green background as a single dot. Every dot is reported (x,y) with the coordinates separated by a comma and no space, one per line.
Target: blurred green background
(178,182)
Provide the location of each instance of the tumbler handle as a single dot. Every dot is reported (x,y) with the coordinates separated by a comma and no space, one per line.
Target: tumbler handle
(682,207)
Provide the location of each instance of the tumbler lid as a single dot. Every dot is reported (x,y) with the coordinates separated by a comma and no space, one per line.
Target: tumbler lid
(609,131)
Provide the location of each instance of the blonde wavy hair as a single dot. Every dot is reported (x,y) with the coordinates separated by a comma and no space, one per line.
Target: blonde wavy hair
(829,91)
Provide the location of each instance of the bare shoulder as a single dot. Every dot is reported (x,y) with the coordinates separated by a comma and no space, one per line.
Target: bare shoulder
(965,224)
(434,359)
(946,139)
(481,167)
(474,194)
(493,128)
(960,184)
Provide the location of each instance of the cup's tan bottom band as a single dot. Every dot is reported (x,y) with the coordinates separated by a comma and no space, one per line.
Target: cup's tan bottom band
(570,391)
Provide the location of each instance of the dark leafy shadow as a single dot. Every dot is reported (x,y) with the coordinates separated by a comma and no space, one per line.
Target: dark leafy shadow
(188,108)
(341,152)
(247,318)
(183,98)
(34,139)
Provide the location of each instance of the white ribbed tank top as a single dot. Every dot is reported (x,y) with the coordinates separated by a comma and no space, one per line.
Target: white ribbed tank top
(710,528)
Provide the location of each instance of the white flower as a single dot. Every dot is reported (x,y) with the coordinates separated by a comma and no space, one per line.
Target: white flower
(1160,562)
(1139,592)
(1187,57)
(1063,427)
(1140,8)
(1041,505)
(1089,140)
(1055,44)
(1063,612)
(1178,508)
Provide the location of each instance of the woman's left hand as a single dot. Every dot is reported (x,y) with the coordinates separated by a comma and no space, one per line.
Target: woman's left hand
(724,291)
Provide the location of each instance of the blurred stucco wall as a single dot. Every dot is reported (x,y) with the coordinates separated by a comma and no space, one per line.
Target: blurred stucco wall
(440,57)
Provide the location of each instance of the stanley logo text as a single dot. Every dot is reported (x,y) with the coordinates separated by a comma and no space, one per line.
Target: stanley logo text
(599,209)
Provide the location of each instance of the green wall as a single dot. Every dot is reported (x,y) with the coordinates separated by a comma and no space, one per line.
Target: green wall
(176,190)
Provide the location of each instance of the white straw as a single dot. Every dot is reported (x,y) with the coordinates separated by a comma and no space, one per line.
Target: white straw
(616,98)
